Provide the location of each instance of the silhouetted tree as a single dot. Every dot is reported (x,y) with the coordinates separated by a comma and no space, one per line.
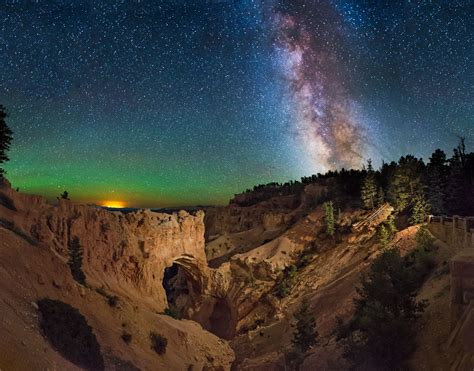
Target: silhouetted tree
(64,196)
(369,187)
(436,181)
(6,136)
(458,197)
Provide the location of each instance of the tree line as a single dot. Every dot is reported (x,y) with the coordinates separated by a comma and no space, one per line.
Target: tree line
(442,186)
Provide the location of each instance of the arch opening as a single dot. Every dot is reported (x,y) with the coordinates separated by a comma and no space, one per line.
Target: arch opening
(177,288)
(223,319)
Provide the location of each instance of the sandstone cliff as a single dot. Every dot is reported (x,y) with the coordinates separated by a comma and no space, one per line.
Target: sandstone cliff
(124,258)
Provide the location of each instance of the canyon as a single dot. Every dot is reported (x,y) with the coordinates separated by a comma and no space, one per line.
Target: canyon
(210,281)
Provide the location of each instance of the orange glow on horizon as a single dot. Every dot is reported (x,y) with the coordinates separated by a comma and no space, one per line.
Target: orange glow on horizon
(114,204)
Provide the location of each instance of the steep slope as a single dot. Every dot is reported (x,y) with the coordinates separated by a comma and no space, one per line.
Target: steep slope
(125,257)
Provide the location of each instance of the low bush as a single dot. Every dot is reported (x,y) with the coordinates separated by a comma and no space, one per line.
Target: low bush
(158,343)
(287,281)
(113,300)
(173,312)
(126,337)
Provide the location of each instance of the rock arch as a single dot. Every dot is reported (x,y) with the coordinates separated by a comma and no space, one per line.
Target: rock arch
(184,282)
(191,294)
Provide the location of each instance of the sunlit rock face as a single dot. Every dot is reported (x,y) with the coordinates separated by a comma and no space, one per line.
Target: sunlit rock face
(126,251)
(125,257)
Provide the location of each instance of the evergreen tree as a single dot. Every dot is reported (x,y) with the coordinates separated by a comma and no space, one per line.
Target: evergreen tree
(64,196)
(304,336)
(369,187)
(458,184)
(384,237)
(380,197)
(436,181)
(329,218)
(75,260)
(420,210)
(382,331)
(391,227)
(406,182)
(6,136)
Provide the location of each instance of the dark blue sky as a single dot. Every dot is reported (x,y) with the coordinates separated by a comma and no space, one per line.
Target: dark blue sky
(184,102)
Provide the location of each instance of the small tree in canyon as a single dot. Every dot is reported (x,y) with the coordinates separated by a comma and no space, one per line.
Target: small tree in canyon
(329,218)
(6,136)
(304,336)
(369,188)
(75,260)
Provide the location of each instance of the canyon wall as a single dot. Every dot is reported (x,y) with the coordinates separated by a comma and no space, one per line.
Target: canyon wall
(128,252)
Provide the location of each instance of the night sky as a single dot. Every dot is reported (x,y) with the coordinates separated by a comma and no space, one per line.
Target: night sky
(171,103)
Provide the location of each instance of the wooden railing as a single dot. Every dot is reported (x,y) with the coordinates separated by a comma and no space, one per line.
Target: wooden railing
(374,215)
(454,230)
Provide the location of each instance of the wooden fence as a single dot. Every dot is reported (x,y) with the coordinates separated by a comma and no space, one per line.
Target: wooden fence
(454,230)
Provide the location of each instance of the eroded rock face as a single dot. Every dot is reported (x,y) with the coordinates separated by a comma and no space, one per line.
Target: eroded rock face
(121,250)
(124,257)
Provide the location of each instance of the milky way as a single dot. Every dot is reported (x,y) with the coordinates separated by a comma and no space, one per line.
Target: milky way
(173,102)
(324,121)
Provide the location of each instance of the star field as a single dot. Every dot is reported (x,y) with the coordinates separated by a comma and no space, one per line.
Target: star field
(176,103)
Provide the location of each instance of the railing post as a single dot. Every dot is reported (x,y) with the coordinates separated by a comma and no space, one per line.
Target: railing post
(465,233)
(453,235)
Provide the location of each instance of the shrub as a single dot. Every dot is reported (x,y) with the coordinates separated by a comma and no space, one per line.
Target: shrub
(68,332)
(421,260)
(173,312)
(287,281)
(126,337)
(158,343)
(424,240)
(113,300)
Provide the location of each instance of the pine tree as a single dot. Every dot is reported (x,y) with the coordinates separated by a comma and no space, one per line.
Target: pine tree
(406,182)
(458,184)
(369,188)
(382,329)
(329,218)
(420,210)
(436,181)
(6,136)
(304,336)
(64,196)
(384,237)
(380,197)
(75,261)
(391,227)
